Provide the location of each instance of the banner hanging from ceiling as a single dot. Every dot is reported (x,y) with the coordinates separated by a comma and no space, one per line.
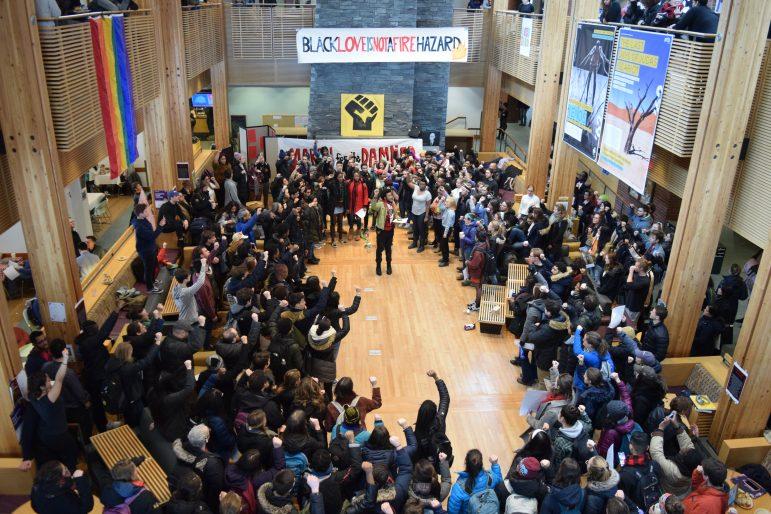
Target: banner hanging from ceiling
(388,44)
(588,89)
(636,88)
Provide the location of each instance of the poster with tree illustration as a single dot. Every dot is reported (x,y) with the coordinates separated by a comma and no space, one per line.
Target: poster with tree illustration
(636,89)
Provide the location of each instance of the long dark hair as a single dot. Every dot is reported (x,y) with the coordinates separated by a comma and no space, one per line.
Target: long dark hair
(379,438)
(344,390)
(539,446)
(474,466)
(425,419)
(569,473)
(424,472)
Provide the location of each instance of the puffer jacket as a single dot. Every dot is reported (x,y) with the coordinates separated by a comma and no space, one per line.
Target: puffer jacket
(598,493)
(562,499)
(459,498)
(612,436)
(656,341)
(534,314)
(591,360)
(72,496)
(595,397)
(547,337)
(705,499)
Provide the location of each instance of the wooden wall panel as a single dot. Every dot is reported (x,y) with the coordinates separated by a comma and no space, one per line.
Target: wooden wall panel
(9,213)
(204,39)
(505,52)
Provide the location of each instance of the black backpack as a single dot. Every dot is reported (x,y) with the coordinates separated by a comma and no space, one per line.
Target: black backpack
(112,394)
(279,356)
(431,446)
(647,489)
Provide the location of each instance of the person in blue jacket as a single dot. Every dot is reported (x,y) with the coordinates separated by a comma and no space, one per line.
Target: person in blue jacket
(147,250)
(640,218)
(593,351)
(245,224)
(474,479)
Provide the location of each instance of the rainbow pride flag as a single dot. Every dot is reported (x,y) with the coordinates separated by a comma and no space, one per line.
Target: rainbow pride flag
(113,76)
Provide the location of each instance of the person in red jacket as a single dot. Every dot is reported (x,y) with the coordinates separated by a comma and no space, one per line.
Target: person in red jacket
(708,492)
(358,198)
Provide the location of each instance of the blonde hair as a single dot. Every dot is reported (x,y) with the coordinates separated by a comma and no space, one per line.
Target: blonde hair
(230,503)
(597,469)
(124,352)
(451,202)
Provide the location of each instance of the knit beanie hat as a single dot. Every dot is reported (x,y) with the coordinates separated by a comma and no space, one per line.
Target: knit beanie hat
(647,358)
(618,412)
(529,467)
(351,415)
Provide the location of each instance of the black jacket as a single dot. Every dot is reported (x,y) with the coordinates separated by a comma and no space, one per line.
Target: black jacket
(174,352)
(71,497)
(176,506)
(637,292)
(630,476)
(611,13)
(656,341)
(257,439)
(130,373)
(90,345)
(547,338)
(707,330)
(206,465)
(426,448)
(699,18)
(248,401)
(174,422)
(634,12)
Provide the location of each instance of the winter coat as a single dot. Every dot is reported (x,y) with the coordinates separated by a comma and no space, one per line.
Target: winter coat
(177,506)
(598,493)
(206,465)
(130,374)
(548,412)
(91,349)
(534,314)
(560,283)
(591,360)
(637,291)
(363,405)
(459,498)
(175,422)
(570,441)
(705,499)
(358,196)
(248,401)
(248,439)
(321,347)
(73,496)
(707,331)
(426,449)
(672,481)
(476,264)
(270,503)
(531,488)
(656,341)
(118,492)
(547,338)
(174,352)
(238,480)
(613,435)
(296,443)
(595,397)
(562,499)
(629,477)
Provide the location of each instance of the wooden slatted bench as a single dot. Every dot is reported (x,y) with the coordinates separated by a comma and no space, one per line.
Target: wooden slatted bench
(491,310)
(169,307)
(513,286)
(518,271)
(122,443)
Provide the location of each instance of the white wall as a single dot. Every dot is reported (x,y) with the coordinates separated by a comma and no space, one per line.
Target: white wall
(77,208)
(256,101)
(12,240)
(465,101)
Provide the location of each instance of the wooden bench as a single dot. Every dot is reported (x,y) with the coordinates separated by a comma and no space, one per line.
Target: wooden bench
(122,443)
(512,284)
(518,271)
(491,310)
(169,306)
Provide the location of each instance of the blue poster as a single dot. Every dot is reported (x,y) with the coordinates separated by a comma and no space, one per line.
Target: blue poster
(636,88)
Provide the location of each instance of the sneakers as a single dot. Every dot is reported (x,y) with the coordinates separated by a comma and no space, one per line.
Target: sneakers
(465,283)
(156,290)
(412,246)
(472,307)
(443,264)
(421,249)
(334,244)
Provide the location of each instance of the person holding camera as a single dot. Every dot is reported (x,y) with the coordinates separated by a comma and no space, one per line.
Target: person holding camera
(383,210)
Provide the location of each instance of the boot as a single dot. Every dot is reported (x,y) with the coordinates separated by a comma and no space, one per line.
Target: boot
(378,271)
(388,268)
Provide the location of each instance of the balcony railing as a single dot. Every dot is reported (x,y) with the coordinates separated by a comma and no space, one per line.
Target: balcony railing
(258,31)
(68,60)
(204,41)
(506,53)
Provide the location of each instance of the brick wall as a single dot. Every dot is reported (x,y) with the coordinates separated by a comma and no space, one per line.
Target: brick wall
(667,204)
(413,92)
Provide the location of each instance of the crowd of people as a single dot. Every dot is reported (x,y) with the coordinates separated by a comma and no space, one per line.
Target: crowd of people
(690,15)
(270,426)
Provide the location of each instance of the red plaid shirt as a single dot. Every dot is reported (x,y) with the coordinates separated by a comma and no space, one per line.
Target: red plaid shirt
(389,223)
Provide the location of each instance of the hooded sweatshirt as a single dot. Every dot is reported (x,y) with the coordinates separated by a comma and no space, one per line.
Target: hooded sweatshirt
(184,298)
(563,498)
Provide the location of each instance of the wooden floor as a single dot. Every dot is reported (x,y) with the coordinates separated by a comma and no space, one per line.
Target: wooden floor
(419,313)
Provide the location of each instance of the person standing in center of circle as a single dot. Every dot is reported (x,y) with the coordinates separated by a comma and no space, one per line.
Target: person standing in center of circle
(383,209)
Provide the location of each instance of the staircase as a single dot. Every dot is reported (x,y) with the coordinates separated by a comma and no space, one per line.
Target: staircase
(507,147)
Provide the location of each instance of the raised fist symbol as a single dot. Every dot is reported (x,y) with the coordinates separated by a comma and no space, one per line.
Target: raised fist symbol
(363,111)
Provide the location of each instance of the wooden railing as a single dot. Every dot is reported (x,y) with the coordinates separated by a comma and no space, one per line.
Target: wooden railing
(68,60)
(506,55)
(258,31)
(507,144)
(204,40)
(9,213)
(474,21)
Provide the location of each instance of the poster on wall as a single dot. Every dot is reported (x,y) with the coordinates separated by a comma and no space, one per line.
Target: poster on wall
(525,36)
(361,115)
(588,90)
(635,95)
(388,44)
(364,151)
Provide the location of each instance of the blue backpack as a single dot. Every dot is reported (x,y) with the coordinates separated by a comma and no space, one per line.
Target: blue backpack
(485,501)
(624,446)
(297,463)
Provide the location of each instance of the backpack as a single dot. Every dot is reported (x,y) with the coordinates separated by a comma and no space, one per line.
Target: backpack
(279,354)
(297,463)
(341,411)
(647,487)
(112,394)
(125,507)
(605,369)
(484,502)
(624,446)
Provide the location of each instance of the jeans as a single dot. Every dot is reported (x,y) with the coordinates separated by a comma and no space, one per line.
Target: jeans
(149,261)
(438,229)
(529,373)
(337,220)
(385,240)
(419,231)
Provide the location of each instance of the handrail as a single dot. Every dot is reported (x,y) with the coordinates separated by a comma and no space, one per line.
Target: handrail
(513,145)
(201,6)
(664,29)
(456,118)
(94,13)
(517,13)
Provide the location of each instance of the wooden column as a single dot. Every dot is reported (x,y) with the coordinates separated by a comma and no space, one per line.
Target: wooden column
(167,119)
(490,104)
(219,87)
(565,160)
(34,161)
(546,98)
(735,65)
(748,418)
